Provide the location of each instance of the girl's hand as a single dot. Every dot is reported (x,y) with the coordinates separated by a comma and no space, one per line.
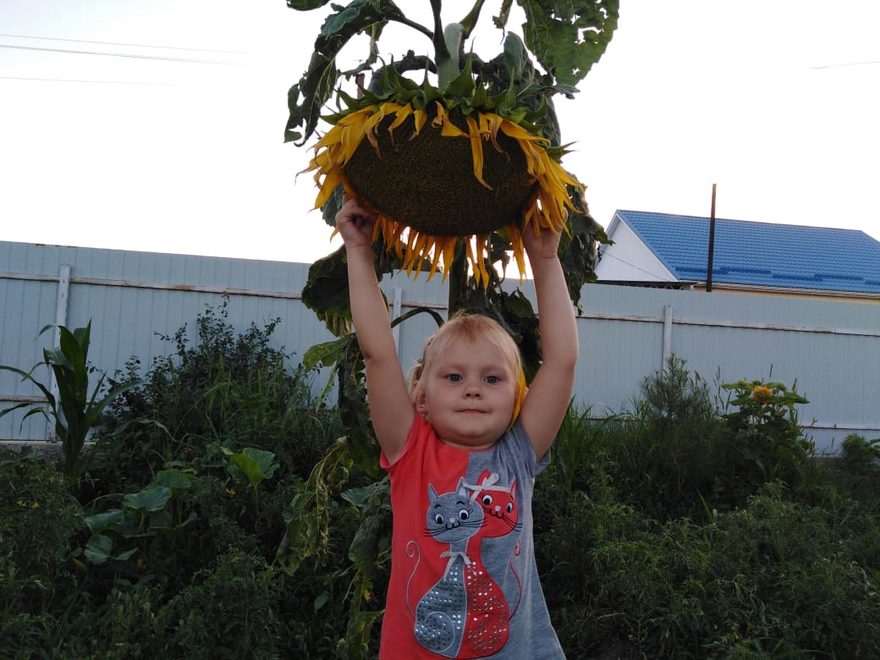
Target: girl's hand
(542,246)
(354,224)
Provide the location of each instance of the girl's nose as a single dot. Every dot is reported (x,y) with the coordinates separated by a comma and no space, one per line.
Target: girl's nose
(472,390)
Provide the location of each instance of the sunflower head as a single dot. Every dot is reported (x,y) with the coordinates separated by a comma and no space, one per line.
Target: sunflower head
(434,176)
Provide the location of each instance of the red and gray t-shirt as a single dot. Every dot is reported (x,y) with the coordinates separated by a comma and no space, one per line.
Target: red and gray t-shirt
(463,578)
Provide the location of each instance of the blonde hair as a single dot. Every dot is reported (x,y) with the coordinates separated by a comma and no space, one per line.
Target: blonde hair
(470,327)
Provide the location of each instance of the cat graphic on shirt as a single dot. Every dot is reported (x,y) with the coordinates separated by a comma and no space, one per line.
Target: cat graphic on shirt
(465,614)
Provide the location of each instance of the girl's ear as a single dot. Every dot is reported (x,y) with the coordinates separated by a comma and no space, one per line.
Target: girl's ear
(421,403)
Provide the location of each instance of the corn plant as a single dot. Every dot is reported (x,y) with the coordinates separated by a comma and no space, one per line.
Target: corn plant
(74,411)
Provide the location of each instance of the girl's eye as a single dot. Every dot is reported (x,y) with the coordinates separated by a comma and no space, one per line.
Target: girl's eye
(455,378)
(492,380)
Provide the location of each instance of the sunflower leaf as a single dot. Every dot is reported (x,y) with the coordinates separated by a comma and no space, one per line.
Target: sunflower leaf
(577,247)
(306,5)
(569,37)
(317,83)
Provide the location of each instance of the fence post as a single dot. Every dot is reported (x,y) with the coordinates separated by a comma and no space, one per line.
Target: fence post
(667,335)
(61,297)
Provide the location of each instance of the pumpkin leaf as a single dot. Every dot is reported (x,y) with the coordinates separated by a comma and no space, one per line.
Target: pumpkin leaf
(151,498)
(176,480)
(99,549)
(100,522)
(255,464)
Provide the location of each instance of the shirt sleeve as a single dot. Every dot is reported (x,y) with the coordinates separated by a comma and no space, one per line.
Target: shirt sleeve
(414,430)
(521,444)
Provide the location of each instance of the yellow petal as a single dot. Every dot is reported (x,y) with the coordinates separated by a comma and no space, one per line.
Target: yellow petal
(476,151)
(401,114)
(419,119)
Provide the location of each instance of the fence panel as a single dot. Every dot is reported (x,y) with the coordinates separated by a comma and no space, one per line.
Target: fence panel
(832,349)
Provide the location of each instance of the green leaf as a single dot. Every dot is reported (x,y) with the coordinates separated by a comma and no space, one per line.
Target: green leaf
(462,87)
(577,247)
(326,354)
(315,87)
(306,5)
(99,548)
(362,496)
(321,600)
(569,37)
(161,521)
(326,291)
(151,498)
(308,520)
(125,554)
(317,83)
(503,14)
(255,464)
(100,522)
(176,480)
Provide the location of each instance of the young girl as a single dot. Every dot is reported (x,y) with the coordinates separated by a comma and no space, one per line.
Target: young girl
(462,449)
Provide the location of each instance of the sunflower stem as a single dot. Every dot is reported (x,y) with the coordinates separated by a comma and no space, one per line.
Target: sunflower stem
(458,280)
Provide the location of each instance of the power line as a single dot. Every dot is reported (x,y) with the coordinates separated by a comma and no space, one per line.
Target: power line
(843,64)
(120,43)
(605,255)
(189,60)
(98,82)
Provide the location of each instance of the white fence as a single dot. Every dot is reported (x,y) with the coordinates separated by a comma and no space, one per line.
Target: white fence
(832,349)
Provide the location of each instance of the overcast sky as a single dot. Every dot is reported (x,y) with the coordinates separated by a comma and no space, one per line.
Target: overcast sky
(158,125)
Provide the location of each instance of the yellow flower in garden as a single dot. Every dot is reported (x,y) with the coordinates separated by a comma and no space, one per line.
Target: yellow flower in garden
(432,180)
(762,394)
(230,492)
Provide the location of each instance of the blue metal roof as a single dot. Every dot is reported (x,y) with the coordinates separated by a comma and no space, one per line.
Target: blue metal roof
(762,253)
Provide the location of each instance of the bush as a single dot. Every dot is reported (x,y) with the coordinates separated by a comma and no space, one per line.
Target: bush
(39,521)
(861,456)
(676,454)
(230,390)
(229,611)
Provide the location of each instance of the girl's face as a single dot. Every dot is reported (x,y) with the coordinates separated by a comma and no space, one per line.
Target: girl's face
(468,393)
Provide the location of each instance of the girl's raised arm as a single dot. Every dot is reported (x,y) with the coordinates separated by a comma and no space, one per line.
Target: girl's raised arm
(391,409)
(550,392)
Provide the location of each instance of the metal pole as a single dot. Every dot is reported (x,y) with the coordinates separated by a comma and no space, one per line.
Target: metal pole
(711,243)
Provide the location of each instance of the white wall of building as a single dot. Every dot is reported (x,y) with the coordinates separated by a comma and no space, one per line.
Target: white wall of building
(629,259)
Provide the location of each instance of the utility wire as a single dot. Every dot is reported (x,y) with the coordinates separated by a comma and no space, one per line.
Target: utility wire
(843,64)
(120,43)
(126,55)
(97,82)
(605,255)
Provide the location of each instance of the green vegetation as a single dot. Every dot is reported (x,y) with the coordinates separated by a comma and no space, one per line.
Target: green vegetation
(222,513)
(73,411)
